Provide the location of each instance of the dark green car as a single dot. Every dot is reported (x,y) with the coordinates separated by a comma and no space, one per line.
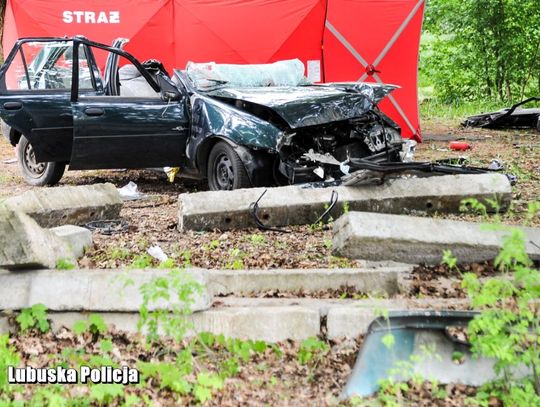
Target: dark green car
(71,101)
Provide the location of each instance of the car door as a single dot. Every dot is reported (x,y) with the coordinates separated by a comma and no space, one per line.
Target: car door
(35,86)
(138,129)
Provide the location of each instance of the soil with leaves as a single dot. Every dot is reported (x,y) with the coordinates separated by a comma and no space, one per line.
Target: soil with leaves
(207,369)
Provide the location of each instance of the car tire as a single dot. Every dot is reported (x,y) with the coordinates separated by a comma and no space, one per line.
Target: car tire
(226,170)
(34,173)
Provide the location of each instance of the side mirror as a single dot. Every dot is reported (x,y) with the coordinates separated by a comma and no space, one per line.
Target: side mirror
(169,92)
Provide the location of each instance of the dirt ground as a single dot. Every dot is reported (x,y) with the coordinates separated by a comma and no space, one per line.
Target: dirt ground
(153,221)
(268,379)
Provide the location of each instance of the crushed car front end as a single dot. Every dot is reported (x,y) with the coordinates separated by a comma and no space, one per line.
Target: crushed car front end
(303,133)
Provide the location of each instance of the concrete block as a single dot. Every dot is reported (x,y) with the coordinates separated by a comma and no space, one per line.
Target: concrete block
(415,240)
(380,280)
(77,205)
(87,290)
(270,324)
(293,205)
(77,238)
(24,244)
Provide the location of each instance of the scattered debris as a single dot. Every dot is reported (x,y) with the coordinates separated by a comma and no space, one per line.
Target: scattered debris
(78,239)
(508,118)
(108,227)
(129,192)
(157,253)
(293,205)
(428,343)
(24,244)
(9,161)
(68,205)
(409,239)
(459,146)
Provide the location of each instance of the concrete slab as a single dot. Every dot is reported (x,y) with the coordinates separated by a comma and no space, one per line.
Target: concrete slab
(270,324)
(368,280)
(415,240)
(293,205)
(24,244)
(87,290)
(272,320)
(77,238)
(77,205)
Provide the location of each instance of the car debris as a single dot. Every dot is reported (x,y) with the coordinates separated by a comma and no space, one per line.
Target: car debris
(130,192)
(508,118)
(459,146)
(431,344)
(108,227)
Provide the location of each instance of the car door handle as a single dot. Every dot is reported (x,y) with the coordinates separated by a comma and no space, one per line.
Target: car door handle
(12,105)
(94,111)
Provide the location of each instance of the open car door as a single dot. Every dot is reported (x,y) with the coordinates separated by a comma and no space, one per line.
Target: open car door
(143,126)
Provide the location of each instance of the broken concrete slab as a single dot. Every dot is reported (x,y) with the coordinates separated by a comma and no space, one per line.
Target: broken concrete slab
(416,240)
(77,238)
(24,244)
(294,205)
(88,290)
(51,207)
(382,280)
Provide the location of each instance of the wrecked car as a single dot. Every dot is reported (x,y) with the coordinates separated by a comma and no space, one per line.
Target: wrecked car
(78,103)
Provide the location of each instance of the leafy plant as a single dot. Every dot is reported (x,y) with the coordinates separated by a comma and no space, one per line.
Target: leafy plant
(34,317)
(141,261)
(508,328)
(176,289)
(94,324)
(8,357)
(106,393)
(311,351)
(65,264)
(236,259)
(258,239)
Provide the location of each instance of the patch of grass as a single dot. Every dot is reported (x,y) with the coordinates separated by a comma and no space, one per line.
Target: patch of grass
(433,109)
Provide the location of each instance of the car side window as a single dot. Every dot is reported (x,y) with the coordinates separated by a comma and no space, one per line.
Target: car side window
(47,66)
(125,77)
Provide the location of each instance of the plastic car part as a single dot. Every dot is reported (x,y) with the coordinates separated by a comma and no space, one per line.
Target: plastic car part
(508,118)
(425,342)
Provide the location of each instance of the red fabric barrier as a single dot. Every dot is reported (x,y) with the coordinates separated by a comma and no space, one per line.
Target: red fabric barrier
(336,39)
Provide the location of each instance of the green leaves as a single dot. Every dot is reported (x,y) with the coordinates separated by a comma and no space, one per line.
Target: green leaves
(33,317)
(311,349)
(94,324)
(508,328)
(8,357)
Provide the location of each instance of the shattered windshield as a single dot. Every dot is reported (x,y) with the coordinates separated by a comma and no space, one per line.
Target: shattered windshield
(211,76)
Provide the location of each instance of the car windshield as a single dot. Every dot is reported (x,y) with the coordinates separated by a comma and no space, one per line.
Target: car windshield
(211,76)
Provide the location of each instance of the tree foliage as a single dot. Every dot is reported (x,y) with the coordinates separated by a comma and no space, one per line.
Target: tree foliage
(478,49)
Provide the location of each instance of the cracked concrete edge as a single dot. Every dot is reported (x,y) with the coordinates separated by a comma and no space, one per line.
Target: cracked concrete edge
(114,290)
(88,290)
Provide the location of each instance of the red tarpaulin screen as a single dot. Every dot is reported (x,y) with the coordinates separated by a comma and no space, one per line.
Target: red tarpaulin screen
(335,39)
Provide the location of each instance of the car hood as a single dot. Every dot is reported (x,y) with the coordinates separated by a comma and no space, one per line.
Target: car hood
(303,106)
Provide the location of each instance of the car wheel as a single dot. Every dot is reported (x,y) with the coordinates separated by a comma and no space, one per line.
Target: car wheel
(226,170)
(34,173)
